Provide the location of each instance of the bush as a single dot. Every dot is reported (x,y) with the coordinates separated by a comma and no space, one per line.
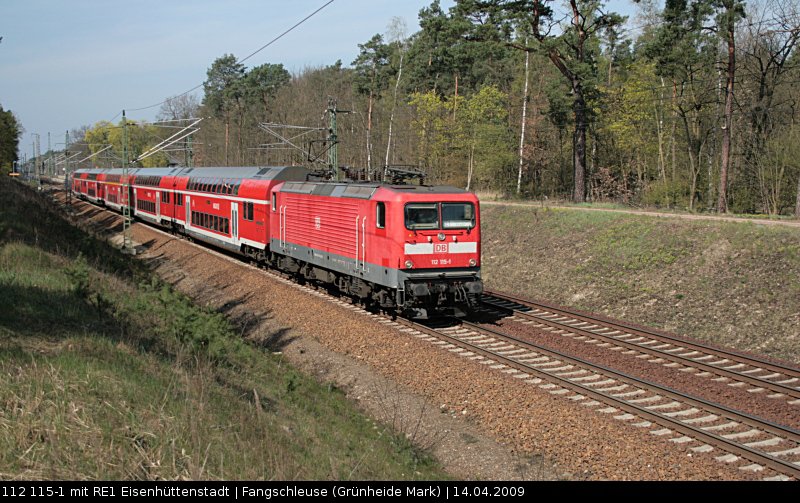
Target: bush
(666,193)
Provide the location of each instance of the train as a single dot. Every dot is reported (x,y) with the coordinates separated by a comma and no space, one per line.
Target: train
(409,249)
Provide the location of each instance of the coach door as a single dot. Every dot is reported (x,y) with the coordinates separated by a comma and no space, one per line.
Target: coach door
(235,222)
(188,203)
(173,204)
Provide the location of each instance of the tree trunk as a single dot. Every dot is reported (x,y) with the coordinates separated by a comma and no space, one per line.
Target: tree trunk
(673,138)
(369,138)
(239,121)
(712,153)
(226,141)
(797,201)
(455,102)
(690,144)
(722,201)
(524,119)
(471,160)
(579,144)
(391,116)
(662,162)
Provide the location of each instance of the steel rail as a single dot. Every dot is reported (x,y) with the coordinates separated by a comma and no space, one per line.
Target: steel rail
(789,372)
(733,447)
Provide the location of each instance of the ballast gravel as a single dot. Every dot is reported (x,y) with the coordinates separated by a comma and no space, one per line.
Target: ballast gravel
(480,423)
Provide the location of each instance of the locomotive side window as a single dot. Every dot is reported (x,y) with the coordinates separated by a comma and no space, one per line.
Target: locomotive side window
(274,201)
(422,216)
(458,216)
(380,216)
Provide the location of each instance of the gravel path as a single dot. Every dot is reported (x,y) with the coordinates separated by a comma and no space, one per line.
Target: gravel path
(660,214)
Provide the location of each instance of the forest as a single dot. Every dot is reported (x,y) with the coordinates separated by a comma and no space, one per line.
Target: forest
(692,104)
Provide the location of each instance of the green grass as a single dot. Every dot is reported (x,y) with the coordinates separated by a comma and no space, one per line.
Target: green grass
(107,373)
(630,245)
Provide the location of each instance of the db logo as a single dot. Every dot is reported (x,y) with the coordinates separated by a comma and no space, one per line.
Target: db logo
(317,223)
(440,248)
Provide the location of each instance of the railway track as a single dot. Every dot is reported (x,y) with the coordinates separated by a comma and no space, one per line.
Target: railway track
(735,369)
(753,443)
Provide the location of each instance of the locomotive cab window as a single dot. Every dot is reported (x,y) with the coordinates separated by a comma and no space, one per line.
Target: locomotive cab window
(421,216)
(458,216)
(274,201)
(380,215)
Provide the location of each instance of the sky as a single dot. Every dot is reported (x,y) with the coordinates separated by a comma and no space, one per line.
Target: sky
(65,64)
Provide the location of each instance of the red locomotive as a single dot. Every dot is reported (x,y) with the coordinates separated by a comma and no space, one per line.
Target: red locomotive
(415,249)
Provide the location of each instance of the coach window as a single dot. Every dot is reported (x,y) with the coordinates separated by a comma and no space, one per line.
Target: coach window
(380,216)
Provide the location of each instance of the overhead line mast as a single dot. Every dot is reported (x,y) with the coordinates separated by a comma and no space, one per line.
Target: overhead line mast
(126,208)
(333,141)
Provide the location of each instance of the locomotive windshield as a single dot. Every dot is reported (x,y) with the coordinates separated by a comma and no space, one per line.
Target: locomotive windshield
(425,216)
(458,216)
(422,216)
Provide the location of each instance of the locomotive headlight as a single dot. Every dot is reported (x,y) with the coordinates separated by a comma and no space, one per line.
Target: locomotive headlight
(473,262)
(409,264)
